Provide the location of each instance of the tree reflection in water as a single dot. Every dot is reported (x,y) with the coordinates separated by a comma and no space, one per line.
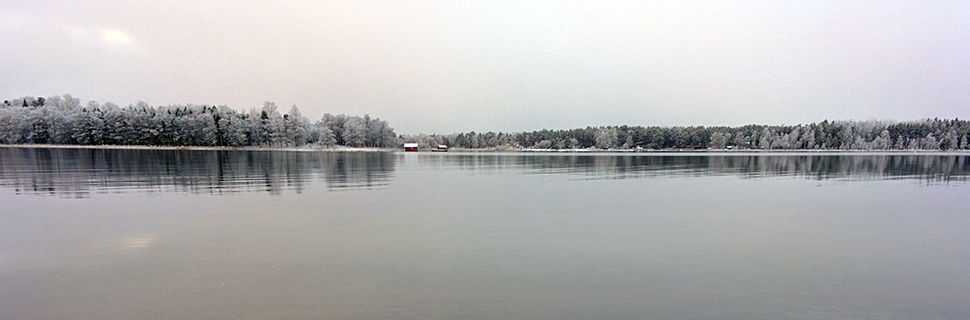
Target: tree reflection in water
(931,167)
(77,172)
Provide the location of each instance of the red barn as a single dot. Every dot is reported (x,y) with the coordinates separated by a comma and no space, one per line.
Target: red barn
(410,147)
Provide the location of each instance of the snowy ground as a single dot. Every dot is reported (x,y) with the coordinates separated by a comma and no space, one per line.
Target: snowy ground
(317,148)
(303,148)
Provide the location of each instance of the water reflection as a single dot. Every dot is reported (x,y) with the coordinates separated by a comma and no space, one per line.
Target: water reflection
(481,236)
(927,167)
(78,172)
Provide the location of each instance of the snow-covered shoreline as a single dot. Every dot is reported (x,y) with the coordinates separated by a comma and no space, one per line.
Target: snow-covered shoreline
(317,148)
(313,148)
(714,151)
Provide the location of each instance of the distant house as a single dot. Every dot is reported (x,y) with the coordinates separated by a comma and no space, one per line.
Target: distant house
(441,148)
(410,147)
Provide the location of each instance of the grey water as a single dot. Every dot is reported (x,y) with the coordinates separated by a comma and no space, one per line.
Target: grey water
(181,234)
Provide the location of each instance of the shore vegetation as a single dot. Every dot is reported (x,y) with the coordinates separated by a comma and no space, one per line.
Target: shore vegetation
(64,120)
(869,135)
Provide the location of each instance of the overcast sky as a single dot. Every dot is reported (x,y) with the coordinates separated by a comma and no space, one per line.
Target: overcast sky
(450,66)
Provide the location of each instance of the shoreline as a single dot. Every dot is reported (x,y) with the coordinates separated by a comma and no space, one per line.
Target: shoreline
(199,148)
(316,148)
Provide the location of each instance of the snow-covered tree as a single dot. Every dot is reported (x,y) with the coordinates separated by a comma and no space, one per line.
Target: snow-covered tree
(296,126)
(355,132)
(327,137)
(606,138)
(719,140)
(12,124)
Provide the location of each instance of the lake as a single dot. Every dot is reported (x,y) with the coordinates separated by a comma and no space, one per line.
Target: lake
(183,234)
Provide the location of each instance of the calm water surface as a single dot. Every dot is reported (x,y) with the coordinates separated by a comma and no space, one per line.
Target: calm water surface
(127,234)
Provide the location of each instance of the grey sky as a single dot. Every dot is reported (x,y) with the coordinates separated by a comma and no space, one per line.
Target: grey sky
(448,66)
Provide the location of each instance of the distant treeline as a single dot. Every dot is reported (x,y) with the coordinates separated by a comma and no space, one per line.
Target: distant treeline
(63,120)
(929,134)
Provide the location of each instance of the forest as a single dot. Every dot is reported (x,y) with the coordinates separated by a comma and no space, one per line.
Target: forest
(64,120)
(927,134)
